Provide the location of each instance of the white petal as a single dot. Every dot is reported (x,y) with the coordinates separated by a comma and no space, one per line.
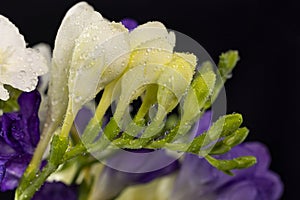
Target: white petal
(3,93)
(45,50)
(151,43)
(77,18)
(22,68)
(147,32)
(10,36)
(100,55)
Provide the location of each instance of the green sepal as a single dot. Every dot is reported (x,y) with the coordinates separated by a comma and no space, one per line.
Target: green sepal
(199,92)
(224,126)
(227,165)
(58,148)
(231,141)
(12,103)
(227,62)
(112,129)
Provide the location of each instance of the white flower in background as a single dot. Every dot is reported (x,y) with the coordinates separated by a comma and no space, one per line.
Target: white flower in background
(19,66)
(45,50)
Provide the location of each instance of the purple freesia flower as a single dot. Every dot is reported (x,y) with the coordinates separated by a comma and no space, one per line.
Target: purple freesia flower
(199,180)
(19,135)
(140,166)
(113,181)
(130,24)
(57,191)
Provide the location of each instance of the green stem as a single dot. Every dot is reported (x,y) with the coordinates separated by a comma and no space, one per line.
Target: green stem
(68,121)
(35,185)
(94,125)
(34,165)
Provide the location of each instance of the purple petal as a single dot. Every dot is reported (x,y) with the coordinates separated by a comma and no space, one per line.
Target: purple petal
(261,152)
(14,169)
(11,125)
(204,123)
(256,182)
(82,119)
(6,151)
(57,191)
(246,190)
(143,167)
(144,161)
(269,185)
(29,105)
(2,172)
(19,136)
(130,24)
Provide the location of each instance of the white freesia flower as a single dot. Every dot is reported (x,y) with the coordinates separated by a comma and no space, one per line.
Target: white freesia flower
(89,52)
(75,20)
(19,66)
(151,47)
(100,55)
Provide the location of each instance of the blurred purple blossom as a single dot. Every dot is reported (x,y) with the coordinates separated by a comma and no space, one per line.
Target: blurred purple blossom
(197,179)
(57,191)
(141,166)
(130,24)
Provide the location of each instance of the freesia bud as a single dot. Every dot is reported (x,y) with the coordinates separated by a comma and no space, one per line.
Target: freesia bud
(176,78)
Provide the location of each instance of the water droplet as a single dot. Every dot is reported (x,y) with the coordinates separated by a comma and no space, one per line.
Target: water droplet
(78,99)
(22,73)
(54,102)
(229,76)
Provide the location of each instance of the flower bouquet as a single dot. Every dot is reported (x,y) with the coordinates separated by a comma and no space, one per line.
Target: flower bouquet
(122,111)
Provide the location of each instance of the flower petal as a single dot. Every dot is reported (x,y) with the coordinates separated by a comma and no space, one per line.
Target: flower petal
(100,55)
(14,169)
(261,152)
(6,151)
(130,24)
(10,36)
(147,32)
(121,173)
(57,191)
(151,43)
(20,130)
(4,95)
(22,69)
(77,18)
(29,106)
(213,184)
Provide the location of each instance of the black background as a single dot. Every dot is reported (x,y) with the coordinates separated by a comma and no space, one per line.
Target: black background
(266,33)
